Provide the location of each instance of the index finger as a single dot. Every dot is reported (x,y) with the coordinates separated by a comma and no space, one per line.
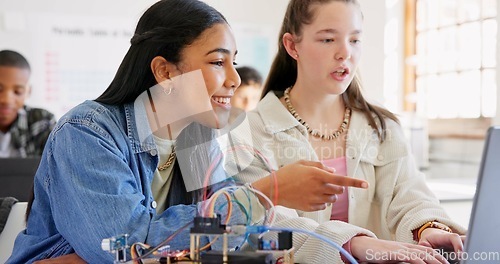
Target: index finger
(345,181)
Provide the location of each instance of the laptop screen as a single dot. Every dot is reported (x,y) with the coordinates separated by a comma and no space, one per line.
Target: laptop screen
(483,238)
(16,177)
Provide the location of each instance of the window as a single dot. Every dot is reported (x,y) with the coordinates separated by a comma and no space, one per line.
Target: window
(452,57)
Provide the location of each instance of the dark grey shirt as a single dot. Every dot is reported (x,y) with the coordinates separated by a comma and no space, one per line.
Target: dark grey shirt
(31,130)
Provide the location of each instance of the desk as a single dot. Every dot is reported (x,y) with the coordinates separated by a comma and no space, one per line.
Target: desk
(456,197)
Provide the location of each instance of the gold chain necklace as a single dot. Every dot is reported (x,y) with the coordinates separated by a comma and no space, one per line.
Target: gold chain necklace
(315,132)
(169,161)
(171,157)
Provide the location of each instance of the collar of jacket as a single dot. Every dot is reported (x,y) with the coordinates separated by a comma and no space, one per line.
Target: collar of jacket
(138,129)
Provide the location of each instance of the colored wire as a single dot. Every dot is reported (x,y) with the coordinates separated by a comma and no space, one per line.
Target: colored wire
(134,252)
(266,162)
(165,242)
(209,205)
(318,236)
(213,199)
(271,210)
(242,208)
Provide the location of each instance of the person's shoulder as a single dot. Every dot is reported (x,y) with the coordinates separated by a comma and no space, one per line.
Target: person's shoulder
(389,123)
(36,114)
(393,125)
(91,112)
(267,107)
(90,117)
(394,144)
(394,136)
(392,131)
(265,110)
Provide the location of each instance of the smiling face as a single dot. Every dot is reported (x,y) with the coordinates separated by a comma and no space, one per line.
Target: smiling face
(214,53)
(329,48)
(13,93)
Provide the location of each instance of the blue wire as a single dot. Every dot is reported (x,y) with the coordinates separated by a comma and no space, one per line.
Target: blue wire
(248,241)
(321,237)
(222,206)
(248,216)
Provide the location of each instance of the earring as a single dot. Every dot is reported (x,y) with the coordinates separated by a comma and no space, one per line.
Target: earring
(168,90)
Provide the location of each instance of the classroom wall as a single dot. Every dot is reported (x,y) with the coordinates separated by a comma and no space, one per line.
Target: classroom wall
(68,69)
(74,47)
(374,61)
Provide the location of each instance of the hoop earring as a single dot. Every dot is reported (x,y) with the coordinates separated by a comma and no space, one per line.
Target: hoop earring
(170,89)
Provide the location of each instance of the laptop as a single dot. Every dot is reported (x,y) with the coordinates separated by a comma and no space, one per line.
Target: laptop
(16,177)
(482,244)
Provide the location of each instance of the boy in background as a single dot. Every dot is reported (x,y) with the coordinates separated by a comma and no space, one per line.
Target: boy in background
(23,130)
(248,94)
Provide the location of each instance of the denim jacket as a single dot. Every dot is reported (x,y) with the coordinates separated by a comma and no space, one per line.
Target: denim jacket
(94,182)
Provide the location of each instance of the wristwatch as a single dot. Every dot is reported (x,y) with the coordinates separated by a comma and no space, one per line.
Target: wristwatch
(433,224)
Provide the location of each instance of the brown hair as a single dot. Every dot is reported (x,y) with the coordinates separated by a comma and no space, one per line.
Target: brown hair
(283,73)
(249,75)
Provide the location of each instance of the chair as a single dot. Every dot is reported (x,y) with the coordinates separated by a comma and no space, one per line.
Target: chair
(15,224)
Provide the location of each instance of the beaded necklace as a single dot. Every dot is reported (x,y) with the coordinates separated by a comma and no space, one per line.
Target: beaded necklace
(315,132)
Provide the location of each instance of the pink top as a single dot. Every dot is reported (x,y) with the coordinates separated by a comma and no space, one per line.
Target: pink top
(340,209)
